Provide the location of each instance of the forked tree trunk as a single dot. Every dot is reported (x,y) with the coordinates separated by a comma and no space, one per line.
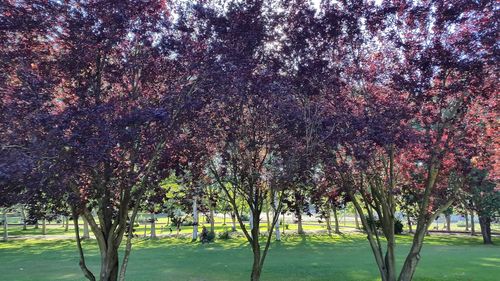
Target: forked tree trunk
(485,223)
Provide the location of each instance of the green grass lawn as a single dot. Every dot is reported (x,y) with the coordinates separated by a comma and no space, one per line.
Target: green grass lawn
(295,258)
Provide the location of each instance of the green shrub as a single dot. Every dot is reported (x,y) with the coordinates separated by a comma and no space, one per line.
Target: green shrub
(206,236)
(225,235)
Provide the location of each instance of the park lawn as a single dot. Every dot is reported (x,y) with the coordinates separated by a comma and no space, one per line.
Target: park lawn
(311,257)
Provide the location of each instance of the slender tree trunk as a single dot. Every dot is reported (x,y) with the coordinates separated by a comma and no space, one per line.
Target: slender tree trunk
(153,225)
(300,229)
(335,216)
(88,274)
(195,219)
(268,222)
(448,222)
(356,220)
(485,223)
(284,224)
(86,234)
(23,217)
(36,225)
(212,220)
(44,227)
(466,221)
(256,268)
(5,226)
(277,225)
(233,218)
(250,215)
(410,227)
(328,219)
(472,224)
(224,218)
(66,227)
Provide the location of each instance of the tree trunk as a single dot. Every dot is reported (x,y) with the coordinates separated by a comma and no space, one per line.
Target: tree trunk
(212,220)
(250,215)
(466,221)
(153,225)
(329,223)
(66,227)
(256,268)
(233,218)
(44,227)
(36,224)
(335,216)
(448,222)
(23,216)
(224,218)
(356,218)
(195,219)
(268,222)
(472,224)
(86,234)
(5,226)
(485,223)
(300,230)
(277,225)
(410,228)
(109,263)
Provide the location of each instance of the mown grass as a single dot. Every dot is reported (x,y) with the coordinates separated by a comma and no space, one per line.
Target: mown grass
(312,257)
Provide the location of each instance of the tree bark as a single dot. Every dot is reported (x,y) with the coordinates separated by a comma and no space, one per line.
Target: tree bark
(88,274)
(329,223)
(5,226)
(44,227)
(276,225)
(66,226)
(195,219)
(356,220)
(300,229)
(153,225)
(86,234)
(466,221)
(212,220)
(472,224)
(23,216)
(448,222)
(233,218)
(335,216)
(410,228)
(485,223)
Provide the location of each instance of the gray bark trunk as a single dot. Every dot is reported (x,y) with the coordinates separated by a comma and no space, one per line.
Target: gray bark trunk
(472,224)
(86,233)
(195,219)
(44,227)
(300,229)
(153,225)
